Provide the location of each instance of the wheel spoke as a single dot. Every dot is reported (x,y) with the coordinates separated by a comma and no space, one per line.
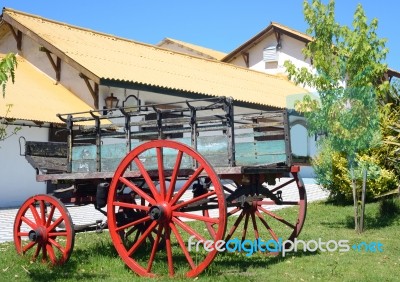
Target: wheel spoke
(51,214)
(35,214)
(133,223)
(282,185)
(142,238)
(232,212)
(276,217)
(174,176)
(182,244)
(148,179)
(253,219)
(130,231)
(267,226)
(42,212)
(137,190)
(154,248)
(130,206)
(56,234)
(23,234)
(51,253)
(235,226)
(191,201)
(57,245)
(187,184)
(55,224)
(161,177)
(169,250)
(27,247)
(29,222)
(188,229)
(246,221)
(44,252)
(37,252)
(195,216)
(209,225)
(138,232)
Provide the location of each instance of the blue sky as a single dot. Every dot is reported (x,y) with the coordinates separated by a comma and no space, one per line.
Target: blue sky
(218,24)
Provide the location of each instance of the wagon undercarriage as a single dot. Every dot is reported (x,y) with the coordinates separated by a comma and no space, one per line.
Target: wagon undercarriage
(207,175)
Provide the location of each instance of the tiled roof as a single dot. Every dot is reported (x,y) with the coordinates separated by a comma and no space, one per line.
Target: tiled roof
(105,58)
(203,51)
(36,97)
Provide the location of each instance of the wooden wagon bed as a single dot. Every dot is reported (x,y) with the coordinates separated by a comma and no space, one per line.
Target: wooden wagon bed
(247,142)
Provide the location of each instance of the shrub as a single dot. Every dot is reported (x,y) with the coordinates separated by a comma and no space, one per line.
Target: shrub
(332,172)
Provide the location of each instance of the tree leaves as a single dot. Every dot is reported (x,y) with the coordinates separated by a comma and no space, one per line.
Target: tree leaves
(348,75)
(347,69)
(7,70)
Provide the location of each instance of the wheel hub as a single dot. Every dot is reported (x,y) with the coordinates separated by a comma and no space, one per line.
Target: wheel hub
(160,212)
(37,235)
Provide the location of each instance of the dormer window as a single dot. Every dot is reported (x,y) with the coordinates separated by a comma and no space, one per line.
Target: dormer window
(270,54)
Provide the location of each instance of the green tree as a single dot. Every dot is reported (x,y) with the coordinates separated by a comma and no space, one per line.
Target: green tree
(7,71)
(348,72)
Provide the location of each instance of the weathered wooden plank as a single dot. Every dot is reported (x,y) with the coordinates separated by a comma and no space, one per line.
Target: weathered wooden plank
(48,164)
(213,148)
(46,149)
(260,152)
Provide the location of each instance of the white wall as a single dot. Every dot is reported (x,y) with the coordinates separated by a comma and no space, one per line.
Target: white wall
(18,177)
(291,50)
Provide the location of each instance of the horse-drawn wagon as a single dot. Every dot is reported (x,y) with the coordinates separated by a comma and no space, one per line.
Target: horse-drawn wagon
(164,174)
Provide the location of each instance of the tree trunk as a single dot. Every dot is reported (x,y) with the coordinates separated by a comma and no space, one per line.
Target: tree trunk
(355,200)
(364,187)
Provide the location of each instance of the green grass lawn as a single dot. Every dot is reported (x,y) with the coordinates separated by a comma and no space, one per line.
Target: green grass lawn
(94,257)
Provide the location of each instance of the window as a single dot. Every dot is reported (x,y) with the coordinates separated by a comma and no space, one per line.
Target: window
(270,54)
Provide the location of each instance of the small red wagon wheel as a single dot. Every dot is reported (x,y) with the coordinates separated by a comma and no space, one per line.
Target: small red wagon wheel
(256,217)
(155,220)
(43,229)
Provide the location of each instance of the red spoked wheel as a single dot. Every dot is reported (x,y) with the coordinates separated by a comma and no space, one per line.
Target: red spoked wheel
(256,217)
(43,229)
(155,220)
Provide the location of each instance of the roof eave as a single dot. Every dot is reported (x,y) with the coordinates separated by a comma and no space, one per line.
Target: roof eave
(177,92)
(261,35)
(42,42)
(393,73)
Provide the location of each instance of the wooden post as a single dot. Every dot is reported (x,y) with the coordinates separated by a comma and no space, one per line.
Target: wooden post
(355,200)
(364,187)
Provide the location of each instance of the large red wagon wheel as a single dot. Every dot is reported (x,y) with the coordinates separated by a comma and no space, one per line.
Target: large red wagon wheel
(43,229)
(152,218)
(256,217)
